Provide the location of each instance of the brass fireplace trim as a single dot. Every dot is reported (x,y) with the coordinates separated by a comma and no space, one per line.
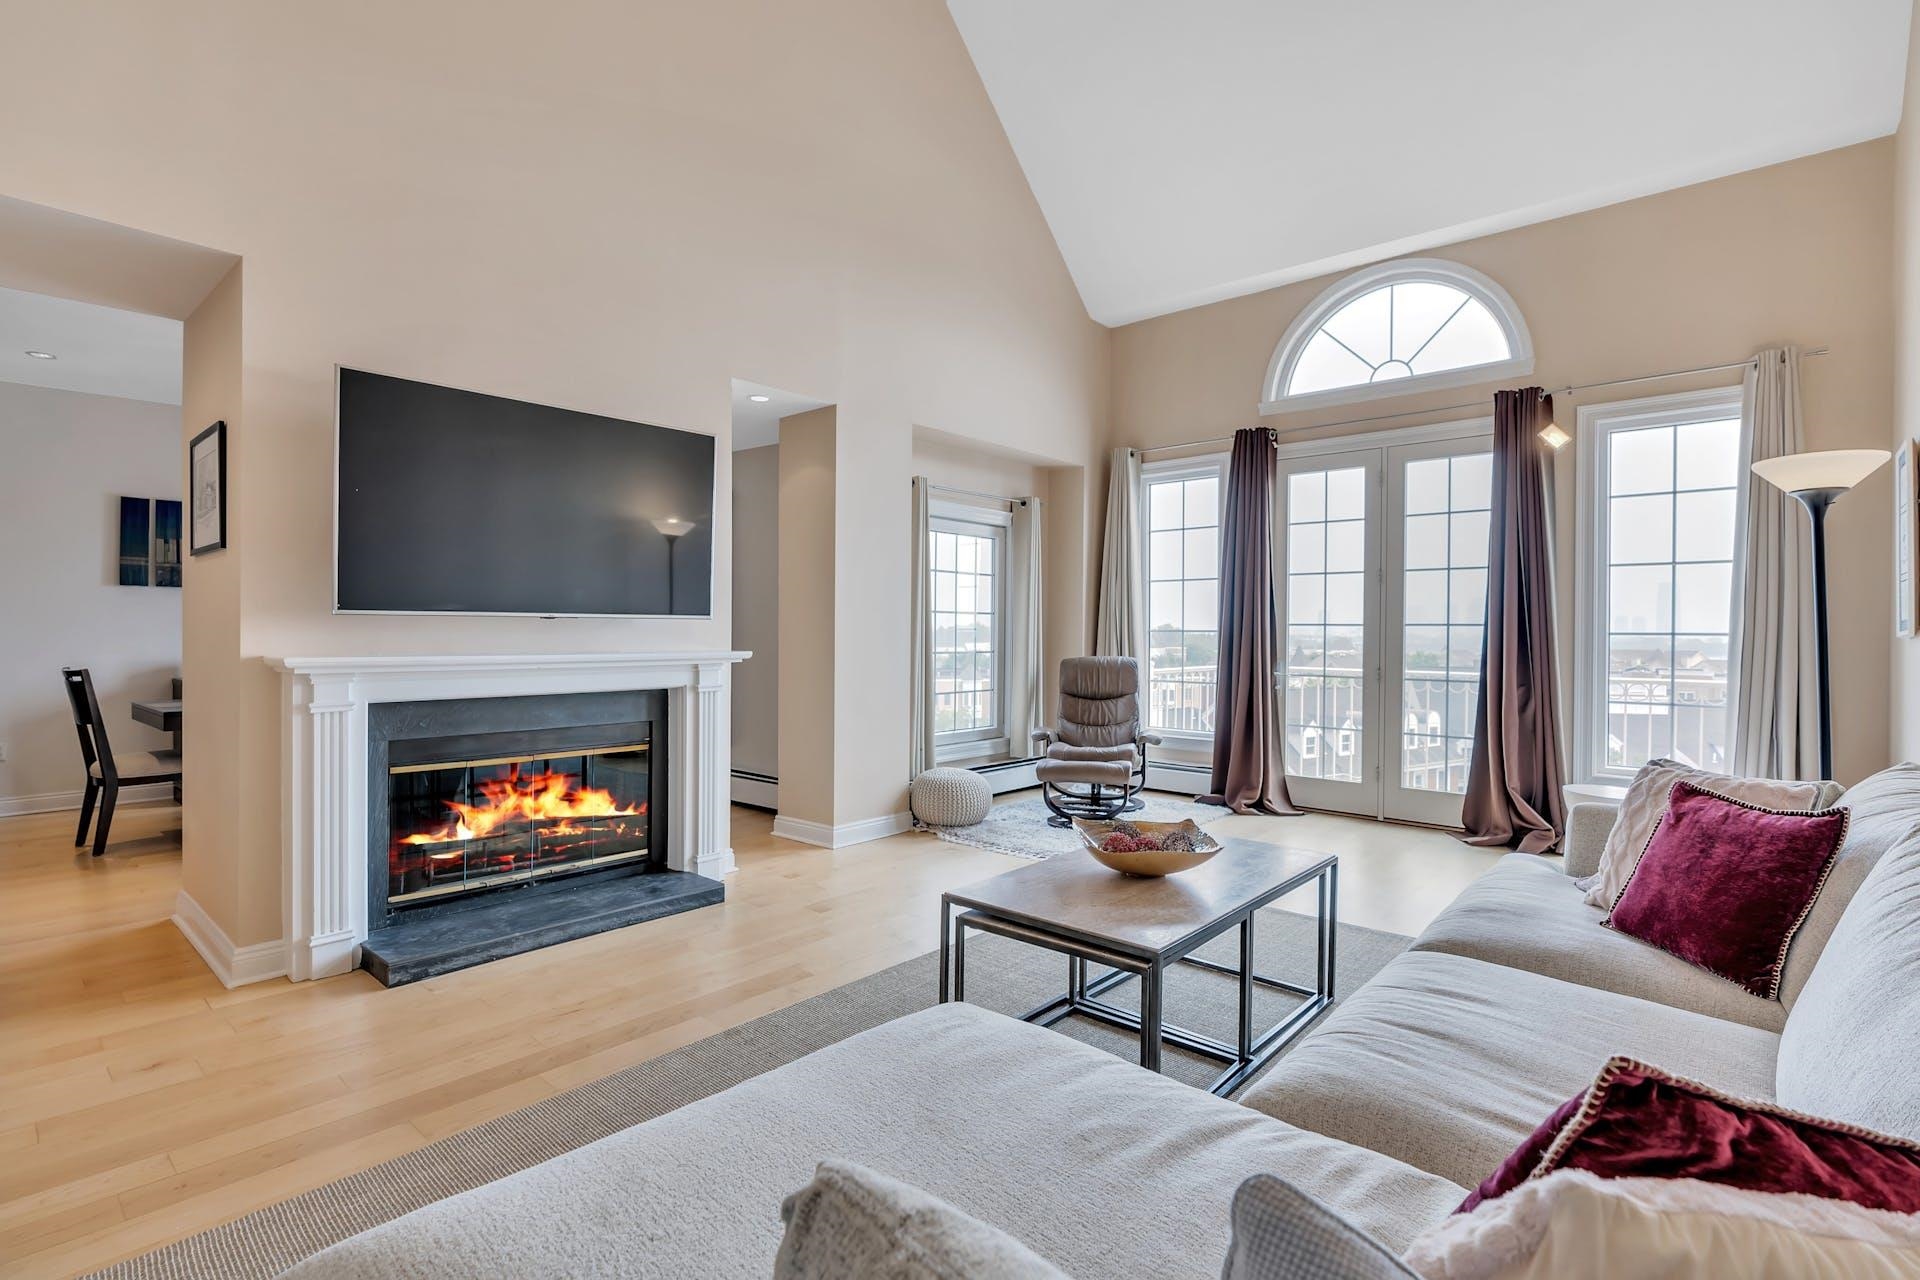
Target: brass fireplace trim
(555,755)
(517,877)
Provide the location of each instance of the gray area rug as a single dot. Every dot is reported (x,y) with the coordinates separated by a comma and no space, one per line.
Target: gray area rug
(1001,974)
(1020,828)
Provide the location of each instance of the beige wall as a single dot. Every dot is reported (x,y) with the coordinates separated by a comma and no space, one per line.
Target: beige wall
(598,205)
(756,608)
(215,735)
(69,458)
(1905,684)
(804,717)
(1796,253)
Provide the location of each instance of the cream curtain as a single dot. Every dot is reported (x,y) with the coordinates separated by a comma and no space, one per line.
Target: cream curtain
(920,631)
(1024,612)
(1120,624)
(1773,711)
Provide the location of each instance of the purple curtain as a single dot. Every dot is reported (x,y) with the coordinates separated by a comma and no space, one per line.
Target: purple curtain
(1514,794)
(1248,774)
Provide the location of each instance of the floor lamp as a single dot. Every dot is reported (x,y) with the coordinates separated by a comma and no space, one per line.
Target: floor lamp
(672,528)
(1817,481)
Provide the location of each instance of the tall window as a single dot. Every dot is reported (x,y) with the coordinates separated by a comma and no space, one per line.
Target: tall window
(1326,622)
(1445,505)
(1183,595)
(965,564)
(1397,328)
(1656,640)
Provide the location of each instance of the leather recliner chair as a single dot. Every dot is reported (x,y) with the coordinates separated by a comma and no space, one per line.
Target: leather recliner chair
(1094,760)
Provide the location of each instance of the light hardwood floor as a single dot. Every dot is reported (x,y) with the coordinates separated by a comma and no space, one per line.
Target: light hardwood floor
(140,1101)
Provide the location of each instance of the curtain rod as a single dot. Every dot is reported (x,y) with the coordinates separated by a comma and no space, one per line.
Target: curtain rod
(976,493)
(1481,404)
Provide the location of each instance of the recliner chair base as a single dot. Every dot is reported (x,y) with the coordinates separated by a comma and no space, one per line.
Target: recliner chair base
(1098,802)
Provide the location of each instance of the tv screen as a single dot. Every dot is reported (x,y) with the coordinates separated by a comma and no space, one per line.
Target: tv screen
(456,502)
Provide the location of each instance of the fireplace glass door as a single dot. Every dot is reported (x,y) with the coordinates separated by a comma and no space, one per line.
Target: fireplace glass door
(462,825)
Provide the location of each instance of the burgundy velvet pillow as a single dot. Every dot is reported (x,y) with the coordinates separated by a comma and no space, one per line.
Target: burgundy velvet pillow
(1526,1157)
(1725,885)
(1637,1121)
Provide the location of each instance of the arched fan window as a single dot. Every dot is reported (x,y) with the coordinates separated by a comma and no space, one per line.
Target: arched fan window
(1397,328)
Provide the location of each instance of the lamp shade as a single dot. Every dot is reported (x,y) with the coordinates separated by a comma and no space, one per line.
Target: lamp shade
(673,526)
(1829,469)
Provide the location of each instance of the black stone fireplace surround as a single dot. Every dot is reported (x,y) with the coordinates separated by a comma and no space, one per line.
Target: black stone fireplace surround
(425,935)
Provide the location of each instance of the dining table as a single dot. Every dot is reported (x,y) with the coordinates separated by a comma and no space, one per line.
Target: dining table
(162,714)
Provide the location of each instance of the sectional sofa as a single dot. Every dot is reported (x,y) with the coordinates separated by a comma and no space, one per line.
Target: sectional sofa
(1409,1093)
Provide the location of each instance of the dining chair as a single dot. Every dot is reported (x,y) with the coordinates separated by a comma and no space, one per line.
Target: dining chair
(106,772)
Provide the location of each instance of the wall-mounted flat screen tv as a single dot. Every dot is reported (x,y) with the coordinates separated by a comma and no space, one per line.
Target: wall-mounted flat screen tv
(456,502)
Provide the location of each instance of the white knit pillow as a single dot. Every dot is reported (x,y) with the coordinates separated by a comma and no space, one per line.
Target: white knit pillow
(852,1222)
(1571,1225)
(1646,801)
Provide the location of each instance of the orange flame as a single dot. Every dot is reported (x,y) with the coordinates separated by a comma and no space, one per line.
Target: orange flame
(539,797)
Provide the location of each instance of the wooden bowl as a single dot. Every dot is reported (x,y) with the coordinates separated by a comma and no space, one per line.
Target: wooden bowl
(1147,862)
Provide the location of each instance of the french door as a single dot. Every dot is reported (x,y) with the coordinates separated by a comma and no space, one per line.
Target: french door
(1385,555)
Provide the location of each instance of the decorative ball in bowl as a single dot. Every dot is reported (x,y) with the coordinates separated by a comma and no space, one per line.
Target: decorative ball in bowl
(1147,848)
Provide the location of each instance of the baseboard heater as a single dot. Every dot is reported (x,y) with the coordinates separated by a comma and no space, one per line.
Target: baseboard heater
(1008,775)
(756,790)
(1181,779)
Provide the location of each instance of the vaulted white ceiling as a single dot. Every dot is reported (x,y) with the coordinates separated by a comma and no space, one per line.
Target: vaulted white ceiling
(1187,152)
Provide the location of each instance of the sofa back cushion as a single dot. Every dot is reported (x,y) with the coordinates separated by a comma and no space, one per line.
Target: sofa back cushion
(1850,1044)
(1881,811)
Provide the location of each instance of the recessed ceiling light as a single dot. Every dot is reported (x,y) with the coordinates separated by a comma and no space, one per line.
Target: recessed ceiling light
(43,355)
(759,399)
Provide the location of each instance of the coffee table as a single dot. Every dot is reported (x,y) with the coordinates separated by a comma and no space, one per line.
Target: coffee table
(1139,928)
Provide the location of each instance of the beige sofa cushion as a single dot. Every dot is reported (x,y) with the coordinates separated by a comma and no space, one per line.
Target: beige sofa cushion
(1097,1166)
(1881,811)
(1446,1062)
(1646,800)
(1526,914)
(1851,1049)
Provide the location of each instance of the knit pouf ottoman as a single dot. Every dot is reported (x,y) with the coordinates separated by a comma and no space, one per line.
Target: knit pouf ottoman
(951,798)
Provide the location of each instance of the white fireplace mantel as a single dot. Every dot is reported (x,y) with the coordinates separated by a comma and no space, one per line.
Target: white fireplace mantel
(324,798)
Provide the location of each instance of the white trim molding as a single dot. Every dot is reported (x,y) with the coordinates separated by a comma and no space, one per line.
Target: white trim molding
(324,779)
(1274,398)
(234,966)
(54,801)
(839,837)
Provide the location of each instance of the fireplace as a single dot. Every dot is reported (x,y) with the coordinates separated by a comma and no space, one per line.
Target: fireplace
(496,825)
(467,815)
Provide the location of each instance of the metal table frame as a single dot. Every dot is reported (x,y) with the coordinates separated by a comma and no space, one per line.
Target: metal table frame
(1244,1059)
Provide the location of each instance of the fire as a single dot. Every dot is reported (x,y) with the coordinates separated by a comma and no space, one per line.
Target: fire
(539,797)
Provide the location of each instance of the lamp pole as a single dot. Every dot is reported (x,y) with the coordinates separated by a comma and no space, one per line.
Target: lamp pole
(672,528)
(1816,481)
(1816,501)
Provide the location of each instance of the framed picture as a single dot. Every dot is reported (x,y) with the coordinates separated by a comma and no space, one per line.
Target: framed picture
(1906,538)
(166,542)
(134,548)
(207,478)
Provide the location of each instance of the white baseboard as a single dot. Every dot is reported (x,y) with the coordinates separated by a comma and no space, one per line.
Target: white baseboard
(839,837)
(756,789)
(54,801)
(234,966)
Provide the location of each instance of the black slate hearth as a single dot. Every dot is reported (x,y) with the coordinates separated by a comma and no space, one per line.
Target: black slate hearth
(424,944)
